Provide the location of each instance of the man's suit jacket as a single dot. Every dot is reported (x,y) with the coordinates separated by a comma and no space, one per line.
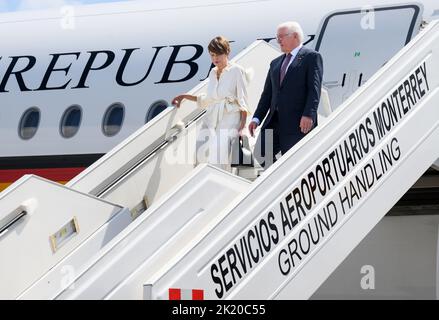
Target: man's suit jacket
(298,95)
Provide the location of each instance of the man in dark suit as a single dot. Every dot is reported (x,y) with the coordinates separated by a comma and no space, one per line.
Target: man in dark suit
(291,95)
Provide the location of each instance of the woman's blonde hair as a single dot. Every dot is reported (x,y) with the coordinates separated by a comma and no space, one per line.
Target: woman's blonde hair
(219,45)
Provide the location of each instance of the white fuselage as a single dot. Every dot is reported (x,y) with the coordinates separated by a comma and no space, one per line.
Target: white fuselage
(136,54)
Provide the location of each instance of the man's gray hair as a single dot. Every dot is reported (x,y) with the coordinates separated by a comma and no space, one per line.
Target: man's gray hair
(292,26)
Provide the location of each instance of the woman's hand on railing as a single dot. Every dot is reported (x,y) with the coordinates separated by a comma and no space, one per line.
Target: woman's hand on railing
(177,100)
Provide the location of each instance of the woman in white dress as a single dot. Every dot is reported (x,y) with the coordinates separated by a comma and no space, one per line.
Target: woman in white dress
(226,103)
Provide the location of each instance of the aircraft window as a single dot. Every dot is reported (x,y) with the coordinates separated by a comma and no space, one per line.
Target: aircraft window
(29,123)
(155,109)
(113,119)
(70,122)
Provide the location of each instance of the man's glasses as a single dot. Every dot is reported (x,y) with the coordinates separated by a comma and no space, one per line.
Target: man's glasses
(281,36)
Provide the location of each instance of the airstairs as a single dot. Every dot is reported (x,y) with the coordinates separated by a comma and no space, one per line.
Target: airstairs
(199,228)
(141,170)
(48,223)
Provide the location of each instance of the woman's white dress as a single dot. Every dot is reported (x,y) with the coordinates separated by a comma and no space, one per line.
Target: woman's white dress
(224,100)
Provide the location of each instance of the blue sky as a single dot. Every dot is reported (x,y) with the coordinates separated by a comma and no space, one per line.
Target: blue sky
(18,5)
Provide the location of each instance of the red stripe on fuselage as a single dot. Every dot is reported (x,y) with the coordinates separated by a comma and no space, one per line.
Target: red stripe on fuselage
(54,174)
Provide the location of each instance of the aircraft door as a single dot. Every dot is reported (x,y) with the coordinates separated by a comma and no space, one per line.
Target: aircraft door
(356,43)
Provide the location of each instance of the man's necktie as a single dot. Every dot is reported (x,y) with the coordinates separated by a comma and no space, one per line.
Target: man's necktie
(283,69)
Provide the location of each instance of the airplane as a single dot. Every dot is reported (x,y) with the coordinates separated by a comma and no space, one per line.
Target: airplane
(76,81)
